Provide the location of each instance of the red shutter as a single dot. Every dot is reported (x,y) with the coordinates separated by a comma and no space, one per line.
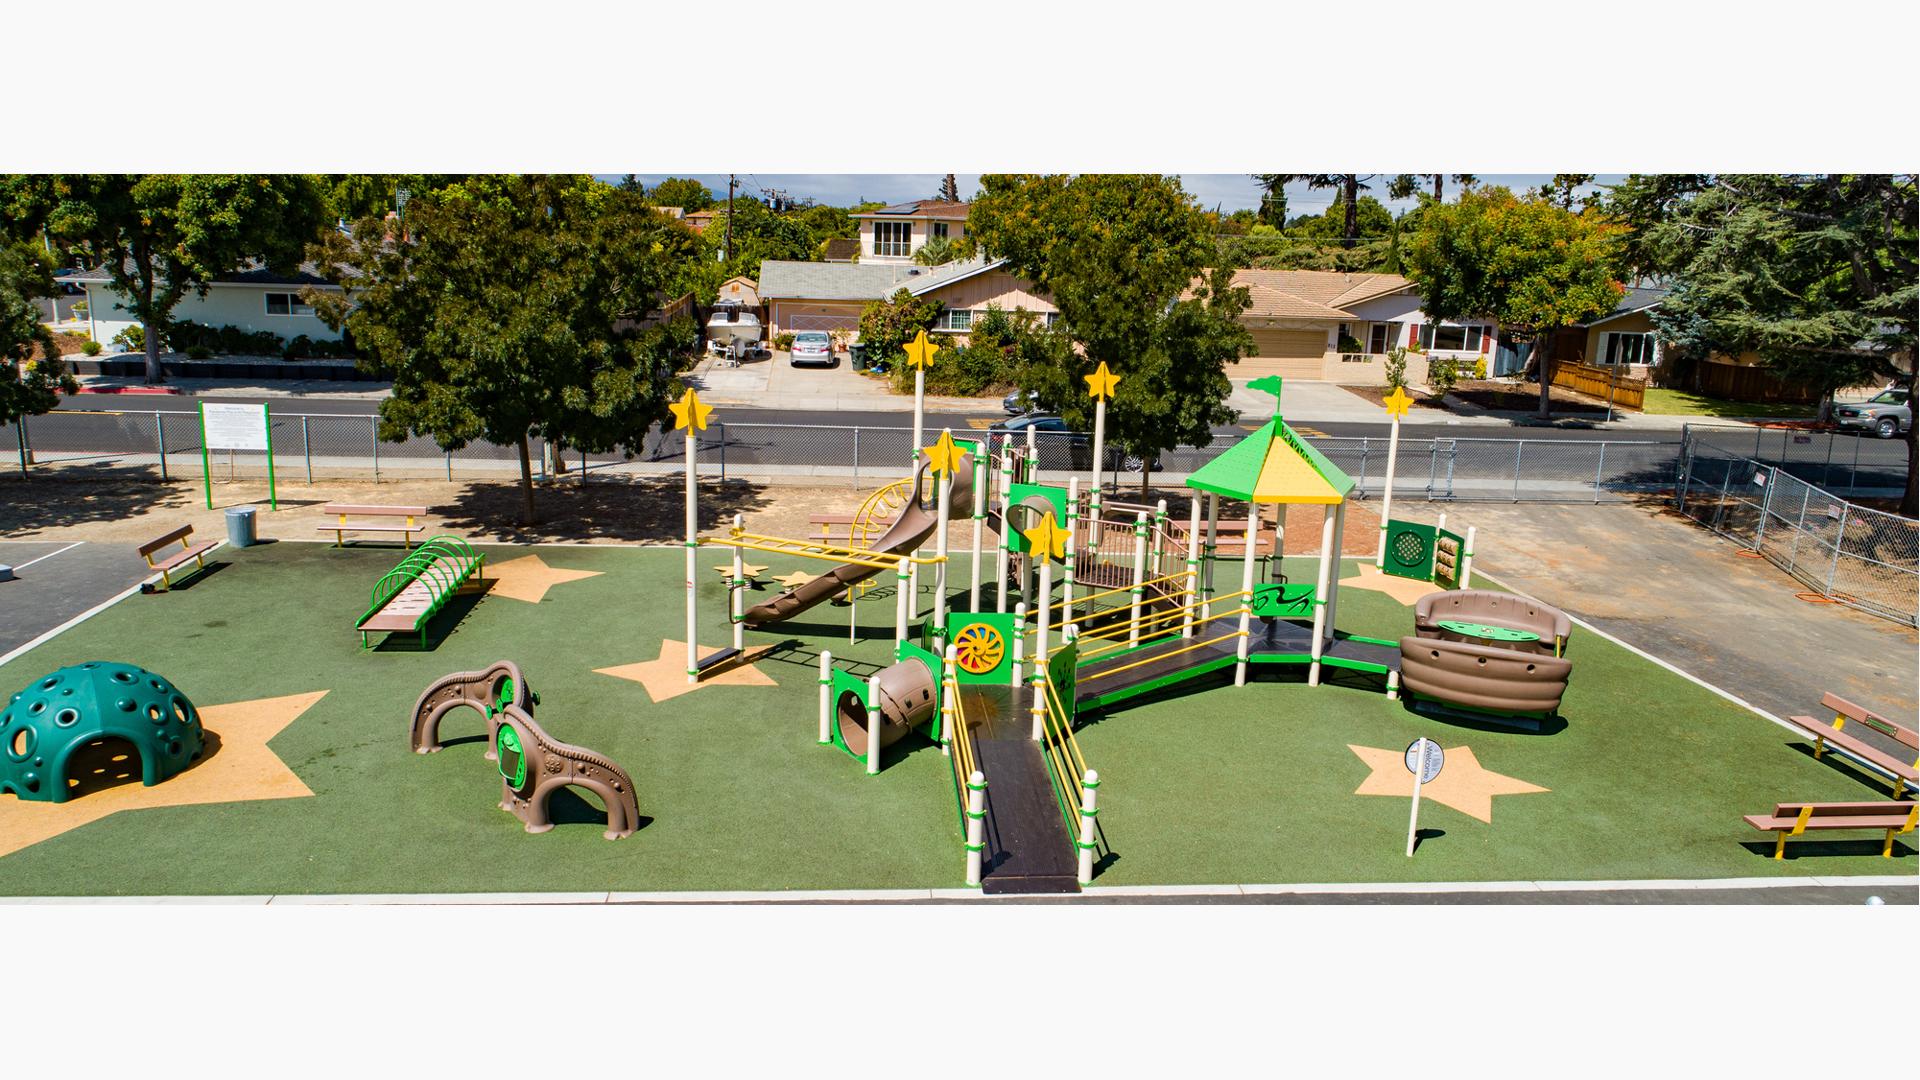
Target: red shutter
(1486,339)
(1413,334)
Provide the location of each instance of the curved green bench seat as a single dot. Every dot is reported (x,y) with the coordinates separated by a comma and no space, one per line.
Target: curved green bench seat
(408,596)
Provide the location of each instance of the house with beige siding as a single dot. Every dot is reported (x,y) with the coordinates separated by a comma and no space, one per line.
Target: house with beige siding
(254,298)
(832,296)
(894,233)
(1339,327)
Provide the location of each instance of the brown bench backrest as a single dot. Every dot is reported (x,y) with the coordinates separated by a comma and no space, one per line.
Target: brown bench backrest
(173,537)
(1827,811)
(373,511)
(1848,709)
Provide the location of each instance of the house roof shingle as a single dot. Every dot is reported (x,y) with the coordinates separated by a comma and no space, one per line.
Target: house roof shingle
(782,279)
(254,273)
(928,208)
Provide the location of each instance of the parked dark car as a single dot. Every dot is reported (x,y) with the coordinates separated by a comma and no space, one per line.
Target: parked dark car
(1020,402)
(1058,447)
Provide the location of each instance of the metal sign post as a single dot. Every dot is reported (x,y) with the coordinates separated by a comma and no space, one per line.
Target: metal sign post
(1424,758)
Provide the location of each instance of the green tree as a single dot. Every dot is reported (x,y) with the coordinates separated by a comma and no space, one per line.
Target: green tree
(1370,220)
(887,325)
(936,251)
(510,313)
(34,374)
(1814,274)
(1563,187)
(162,235)
(1406,185)
(1527,263)
(689,195)
(949,189)
(1122,257)
(352,196)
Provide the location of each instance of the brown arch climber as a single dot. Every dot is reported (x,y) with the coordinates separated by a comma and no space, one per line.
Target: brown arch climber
(486,691)
(533,765)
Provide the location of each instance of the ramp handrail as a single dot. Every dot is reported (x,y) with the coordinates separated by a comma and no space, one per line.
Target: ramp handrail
(960,739)
(1066,767)
(1119,634)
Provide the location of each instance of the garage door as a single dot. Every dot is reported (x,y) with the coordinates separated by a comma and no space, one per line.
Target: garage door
(789,318)
(1290,354)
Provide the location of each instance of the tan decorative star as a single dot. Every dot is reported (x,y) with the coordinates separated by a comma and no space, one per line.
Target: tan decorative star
(920,351)
(690,411)
(237,766)
(751,570)
(1397,402)
(944,457)
(795,579)
(1463,784)
(666,676)
(1406,590)
(528,578)
(1100,384)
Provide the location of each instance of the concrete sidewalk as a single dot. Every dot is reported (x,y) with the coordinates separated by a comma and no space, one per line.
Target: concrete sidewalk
(772,382)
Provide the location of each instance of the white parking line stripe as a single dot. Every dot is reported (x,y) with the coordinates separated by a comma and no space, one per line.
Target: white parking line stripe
(49,555)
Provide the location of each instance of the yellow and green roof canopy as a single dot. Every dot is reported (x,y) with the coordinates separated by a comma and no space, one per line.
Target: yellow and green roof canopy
(1273,465)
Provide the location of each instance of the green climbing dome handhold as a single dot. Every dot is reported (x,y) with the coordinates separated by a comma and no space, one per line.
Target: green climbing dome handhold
(91,726)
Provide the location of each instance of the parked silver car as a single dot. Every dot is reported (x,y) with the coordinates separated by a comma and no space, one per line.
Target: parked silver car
(1886,414)
(812,347)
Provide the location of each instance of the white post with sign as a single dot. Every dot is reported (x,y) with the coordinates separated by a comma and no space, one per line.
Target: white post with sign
(235,427)
(1424,758)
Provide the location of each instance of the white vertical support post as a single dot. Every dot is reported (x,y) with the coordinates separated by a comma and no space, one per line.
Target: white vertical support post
(874,722)
(1393,685)
(1089,789)
(1033,456)
(949,708)
(919,408)
(943,519)
(980,493)
(693,546)
(1139,576)
(1339,515)
(1073,544)
(1207,553)
(976,823)
(1246,594)
(826,697)
(1413,814)
(1386,494)
(1099,449)
(1019,644)
(913,575)
(901,617)
(736,592)
(1006,529)
(853,625)
(1040,647)
(1193,567)
(1441,524)
(1323,585)
(1466,560)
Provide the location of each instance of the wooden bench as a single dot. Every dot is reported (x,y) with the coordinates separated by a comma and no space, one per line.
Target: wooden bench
(1835,735)
(343,512)
(1796,819)
(188,550)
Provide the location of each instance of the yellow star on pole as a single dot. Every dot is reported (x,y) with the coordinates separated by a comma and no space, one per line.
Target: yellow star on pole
(1048,538)
(1397,402)
(943,457)
(920,351)
(1100,384)
(690,411)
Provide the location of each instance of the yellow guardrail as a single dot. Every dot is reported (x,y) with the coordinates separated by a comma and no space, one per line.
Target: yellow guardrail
(813,549)
(1062,755)
(1159,656)
(960,738)
(1121,632)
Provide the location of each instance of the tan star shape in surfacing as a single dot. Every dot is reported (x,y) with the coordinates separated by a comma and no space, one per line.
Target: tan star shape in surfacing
(749,570)
(1406,590)
(666,676)
(1463,783)
(795,579)
(528,578)
(237,766)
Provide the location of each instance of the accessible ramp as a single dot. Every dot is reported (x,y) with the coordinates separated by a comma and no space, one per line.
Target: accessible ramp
(1027,849)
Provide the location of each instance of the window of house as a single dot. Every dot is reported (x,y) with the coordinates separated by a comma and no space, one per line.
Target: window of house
(1380,338)
(1616,348)
(958,319)
(1446,338)
(281,303)
(892,238)
(940,229)
(1052,316)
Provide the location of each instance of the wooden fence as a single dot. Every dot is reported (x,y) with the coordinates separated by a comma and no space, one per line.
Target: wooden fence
(1603,383)
(1736,382)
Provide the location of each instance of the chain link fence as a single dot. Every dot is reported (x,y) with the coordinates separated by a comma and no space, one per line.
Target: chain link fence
(1851,554)
(334,446)
(1851,464)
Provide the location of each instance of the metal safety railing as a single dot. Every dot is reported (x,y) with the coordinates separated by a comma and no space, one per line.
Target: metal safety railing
(1075,786)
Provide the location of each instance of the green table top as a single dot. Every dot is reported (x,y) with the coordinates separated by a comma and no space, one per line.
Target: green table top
(1490,633)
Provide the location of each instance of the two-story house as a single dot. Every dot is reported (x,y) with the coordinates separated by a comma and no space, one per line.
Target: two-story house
(892,234)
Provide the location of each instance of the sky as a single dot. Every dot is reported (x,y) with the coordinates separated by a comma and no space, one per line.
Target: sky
(1229,191)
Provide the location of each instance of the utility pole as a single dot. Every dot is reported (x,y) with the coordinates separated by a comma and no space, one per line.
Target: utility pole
(730,185)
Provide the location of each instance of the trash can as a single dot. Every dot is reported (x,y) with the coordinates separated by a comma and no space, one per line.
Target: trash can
(857,356)
(240,525)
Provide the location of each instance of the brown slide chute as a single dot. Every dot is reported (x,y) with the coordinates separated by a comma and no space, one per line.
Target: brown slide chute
(909,531)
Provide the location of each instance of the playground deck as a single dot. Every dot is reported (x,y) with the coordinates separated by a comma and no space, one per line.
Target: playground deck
(1214,646)
(1202,784)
